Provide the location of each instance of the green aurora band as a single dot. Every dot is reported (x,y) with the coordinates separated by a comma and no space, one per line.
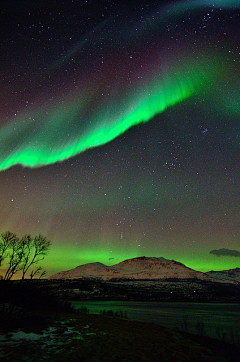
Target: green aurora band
(55,132)
(65,259)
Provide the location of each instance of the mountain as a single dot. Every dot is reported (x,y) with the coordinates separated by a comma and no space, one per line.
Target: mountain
(230,275)
(137,268)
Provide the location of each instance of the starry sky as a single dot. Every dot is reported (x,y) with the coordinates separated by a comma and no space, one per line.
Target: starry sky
(119,129)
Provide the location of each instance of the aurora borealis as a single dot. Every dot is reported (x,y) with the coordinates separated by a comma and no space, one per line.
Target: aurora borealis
(120,129)
(45,148)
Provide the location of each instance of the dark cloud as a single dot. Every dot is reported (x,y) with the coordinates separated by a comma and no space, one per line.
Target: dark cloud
(226,252)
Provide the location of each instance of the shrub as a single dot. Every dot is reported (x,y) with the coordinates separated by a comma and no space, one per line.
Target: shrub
(116,314)
(83,310)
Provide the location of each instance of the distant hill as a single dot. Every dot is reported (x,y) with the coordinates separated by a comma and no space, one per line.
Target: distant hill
(140,268)
(229,275)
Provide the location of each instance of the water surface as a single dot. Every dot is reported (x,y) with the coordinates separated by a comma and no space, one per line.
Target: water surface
(221,320)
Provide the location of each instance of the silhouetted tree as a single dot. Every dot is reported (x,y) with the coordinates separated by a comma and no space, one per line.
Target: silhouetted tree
(22,253)
(35,251)
(15,256)
(37,272)
(7,239)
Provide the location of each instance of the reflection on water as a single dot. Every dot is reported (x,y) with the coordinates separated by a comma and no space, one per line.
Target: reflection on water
(215,319)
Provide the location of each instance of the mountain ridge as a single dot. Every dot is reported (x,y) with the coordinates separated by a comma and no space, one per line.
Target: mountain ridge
(229,274)
(139,268)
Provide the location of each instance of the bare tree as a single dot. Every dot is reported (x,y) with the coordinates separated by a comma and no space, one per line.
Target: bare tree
(36,271)
(15,256)
(35,251)
(23,253)
(44,272)
(6,241)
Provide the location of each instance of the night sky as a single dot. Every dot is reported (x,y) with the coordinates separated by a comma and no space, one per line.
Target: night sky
(119,129)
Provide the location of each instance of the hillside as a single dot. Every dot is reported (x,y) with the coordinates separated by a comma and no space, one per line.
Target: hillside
(140,268)
(228,275)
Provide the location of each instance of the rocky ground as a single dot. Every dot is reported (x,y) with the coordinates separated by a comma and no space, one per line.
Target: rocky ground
(92,338)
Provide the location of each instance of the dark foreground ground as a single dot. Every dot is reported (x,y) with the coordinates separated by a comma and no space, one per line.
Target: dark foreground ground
(91,338)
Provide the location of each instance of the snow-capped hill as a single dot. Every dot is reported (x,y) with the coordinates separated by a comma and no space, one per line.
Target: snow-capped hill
(230,275)
(155,268)
(136,268)
(91,270)
(141,263)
